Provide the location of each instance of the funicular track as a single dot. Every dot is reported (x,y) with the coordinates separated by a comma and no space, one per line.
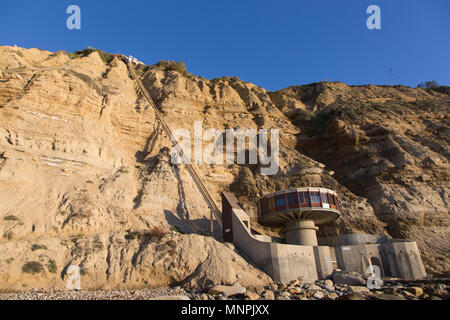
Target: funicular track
(192,171)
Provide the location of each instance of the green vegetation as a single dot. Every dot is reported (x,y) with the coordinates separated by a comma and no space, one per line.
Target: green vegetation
(63,243)
(123,170)
(140,69)
(51,266)
(132,235)
(314,124)
(317,124)
(175,66)
(11,218)
(101,90)
(442,89)
(35,247)
(176,229)
(32,267)
(83,271)
(428,85)
(157,232)
(172,65)
(106,57)
(227,79)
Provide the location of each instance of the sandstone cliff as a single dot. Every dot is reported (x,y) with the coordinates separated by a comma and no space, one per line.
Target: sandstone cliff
(86,172)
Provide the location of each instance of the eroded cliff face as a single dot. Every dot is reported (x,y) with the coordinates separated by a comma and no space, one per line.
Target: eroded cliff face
(84,162)
(389,145)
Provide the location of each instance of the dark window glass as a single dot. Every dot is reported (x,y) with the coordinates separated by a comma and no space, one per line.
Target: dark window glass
(292,199)
(306,197)
(336,201)
(315,197)
(324,197)
(281,201)
(302,198)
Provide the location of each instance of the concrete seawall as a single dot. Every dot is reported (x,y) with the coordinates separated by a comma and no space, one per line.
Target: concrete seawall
(353,252)
(395,257)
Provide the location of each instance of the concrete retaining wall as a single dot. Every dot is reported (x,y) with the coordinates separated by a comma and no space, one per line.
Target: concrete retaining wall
(283,262)
(352,239)
(395,259)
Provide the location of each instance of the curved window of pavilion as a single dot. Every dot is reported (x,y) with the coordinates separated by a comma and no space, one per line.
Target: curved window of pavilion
(301,197)
(324,197)
(304,199)
(315,199)
(281,202)
(292,200)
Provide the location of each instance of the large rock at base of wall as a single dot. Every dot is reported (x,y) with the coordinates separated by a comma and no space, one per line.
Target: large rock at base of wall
(349,278)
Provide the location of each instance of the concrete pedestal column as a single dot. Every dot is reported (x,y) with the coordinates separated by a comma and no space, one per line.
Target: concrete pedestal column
(301,232)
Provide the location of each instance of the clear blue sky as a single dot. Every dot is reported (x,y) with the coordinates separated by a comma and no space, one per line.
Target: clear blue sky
(273,44)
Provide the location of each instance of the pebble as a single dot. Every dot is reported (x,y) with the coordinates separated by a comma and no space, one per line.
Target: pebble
(314,287)
(319,295)
(328,283)
(269,295)
(252,295)
(118,294)
(323,289)
(359,289)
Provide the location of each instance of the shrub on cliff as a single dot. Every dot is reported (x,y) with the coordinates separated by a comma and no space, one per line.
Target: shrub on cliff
(32,267)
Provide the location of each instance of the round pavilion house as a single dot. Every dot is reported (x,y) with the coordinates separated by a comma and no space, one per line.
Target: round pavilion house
(299,210)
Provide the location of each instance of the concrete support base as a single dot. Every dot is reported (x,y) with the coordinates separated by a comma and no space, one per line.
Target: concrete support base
(301,232)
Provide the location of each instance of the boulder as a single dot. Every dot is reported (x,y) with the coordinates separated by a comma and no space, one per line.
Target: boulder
(234,290)
(268,295)
(352,296)
(312,287)
(294,283)
(359,289)
(332,296)
(217,289)
(385,296)
(416,291)
(228,291)
(319,295)
(285,294)
(327,287)
(252,295)
(349,278)
(328,282)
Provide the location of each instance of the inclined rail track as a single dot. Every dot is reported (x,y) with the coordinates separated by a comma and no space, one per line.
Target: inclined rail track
(192,171)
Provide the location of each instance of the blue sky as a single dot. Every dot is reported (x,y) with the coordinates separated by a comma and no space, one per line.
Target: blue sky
(273,44)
